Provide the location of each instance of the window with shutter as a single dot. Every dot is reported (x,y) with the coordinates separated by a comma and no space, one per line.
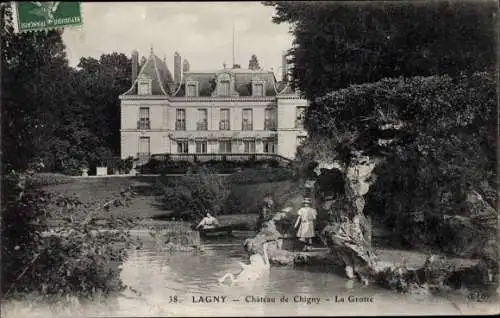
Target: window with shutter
(224,119)
(180,119)
(300,117)
(247,120)
(269,119)
(201,147)
(143,122)
(202,123)
(249,146)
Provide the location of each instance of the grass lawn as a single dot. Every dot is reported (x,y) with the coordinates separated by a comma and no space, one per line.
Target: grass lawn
(104,189)
(144,205)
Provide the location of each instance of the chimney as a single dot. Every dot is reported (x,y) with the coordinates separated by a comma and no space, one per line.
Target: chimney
(284,67)
(177,68)
(135,65)
(185,66)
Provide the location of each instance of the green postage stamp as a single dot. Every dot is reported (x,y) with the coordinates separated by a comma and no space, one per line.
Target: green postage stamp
(35,15)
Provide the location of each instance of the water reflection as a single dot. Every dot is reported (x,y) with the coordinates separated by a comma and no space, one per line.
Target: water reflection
(159,276)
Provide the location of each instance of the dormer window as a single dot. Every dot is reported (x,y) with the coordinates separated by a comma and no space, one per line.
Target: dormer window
(144,86)
(258,90)
(224,88)
(191,89)
(225,85)
(258,87)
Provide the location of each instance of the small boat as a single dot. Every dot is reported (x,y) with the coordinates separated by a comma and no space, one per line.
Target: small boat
(217,231)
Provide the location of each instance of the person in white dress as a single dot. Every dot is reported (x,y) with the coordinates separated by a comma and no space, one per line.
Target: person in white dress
(305,223)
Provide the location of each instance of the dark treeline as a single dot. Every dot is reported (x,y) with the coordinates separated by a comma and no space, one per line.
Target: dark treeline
(65,118)
(52,113)
(341,43)
(414,85)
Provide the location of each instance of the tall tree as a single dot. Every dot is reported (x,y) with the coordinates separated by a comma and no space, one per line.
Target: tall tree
(100,83)
(35,91)
(341,43)
(52,113)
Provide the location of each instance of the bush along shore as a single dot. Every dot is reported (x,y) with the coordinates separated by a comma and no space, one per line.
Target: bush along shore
(402,271)
(189,197)
(58,247)
(50,247)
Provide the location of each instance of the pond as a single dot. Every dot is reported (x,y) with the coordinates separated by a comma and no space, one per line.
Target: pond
(185,284)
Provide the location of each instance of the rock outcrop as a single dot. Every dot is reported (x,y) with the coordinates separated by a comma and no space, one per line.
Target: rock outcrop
(387,268)
(425,273)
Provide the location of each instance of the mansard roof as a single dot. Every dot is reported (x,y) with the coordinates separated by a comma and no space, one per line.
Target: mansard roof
(243,81)
(286,89)
(156,70)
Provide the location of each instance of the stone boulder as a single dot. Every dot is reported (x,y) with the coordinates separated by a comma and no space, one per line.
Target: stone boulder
(475,230)
(270,233)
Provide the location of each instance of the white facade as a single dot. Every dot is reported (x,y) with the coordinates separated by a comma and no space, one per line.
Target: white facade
(229,117)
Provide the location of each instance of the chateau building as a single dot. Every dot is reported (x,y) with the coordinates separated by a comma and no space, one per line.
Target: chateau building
(230,110)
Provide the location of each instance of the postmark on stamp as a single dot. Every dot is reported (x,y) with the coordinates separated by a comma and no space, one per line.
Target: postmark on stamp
(36,15)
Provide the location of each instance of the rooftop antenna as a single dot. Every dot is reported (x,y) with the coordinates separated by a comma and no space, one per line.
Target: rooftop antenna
(233,44)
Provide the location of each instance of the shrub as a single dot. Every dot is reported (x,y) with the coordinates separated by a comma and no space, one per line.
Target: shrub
(262,175)
(248,198)
(122,166)
(45,179)
(425,184)
(222,167)
(72,259)
(72,167)
(126,165)
(193,195)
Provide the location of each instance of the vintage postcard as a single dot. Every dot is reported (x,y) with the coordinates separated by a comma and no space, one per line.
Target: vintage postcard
(249,158)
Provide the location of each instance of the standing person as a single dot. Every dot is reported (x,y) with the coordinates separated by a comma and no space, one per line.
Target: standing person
(208,222)
(265,211)
(305,222)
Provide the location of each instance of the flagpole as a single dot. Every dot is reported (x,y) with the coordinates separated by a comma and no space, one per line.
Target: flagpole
(233,44)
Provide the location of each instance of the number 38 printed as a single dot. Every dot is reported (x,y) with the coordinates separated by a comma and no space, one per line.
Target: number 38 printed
(173,299)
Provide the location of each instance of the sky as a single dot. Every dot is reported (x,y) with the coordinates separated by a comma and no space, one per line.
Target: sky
(201,32)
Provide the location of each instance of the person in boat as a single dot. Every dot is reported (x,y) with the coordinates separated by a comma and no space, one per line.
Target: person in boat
(305,223)
(208,222)
(259,265)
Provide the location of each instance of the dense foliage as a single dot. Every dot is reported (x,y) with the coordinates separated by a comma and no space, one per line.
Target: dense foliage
(262,175)
(224,166)
(52,113)
(357,118)
(58,119)
(193,195)
(337,43)
(422,193)
(437,136)
(190,196)
(71,257)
